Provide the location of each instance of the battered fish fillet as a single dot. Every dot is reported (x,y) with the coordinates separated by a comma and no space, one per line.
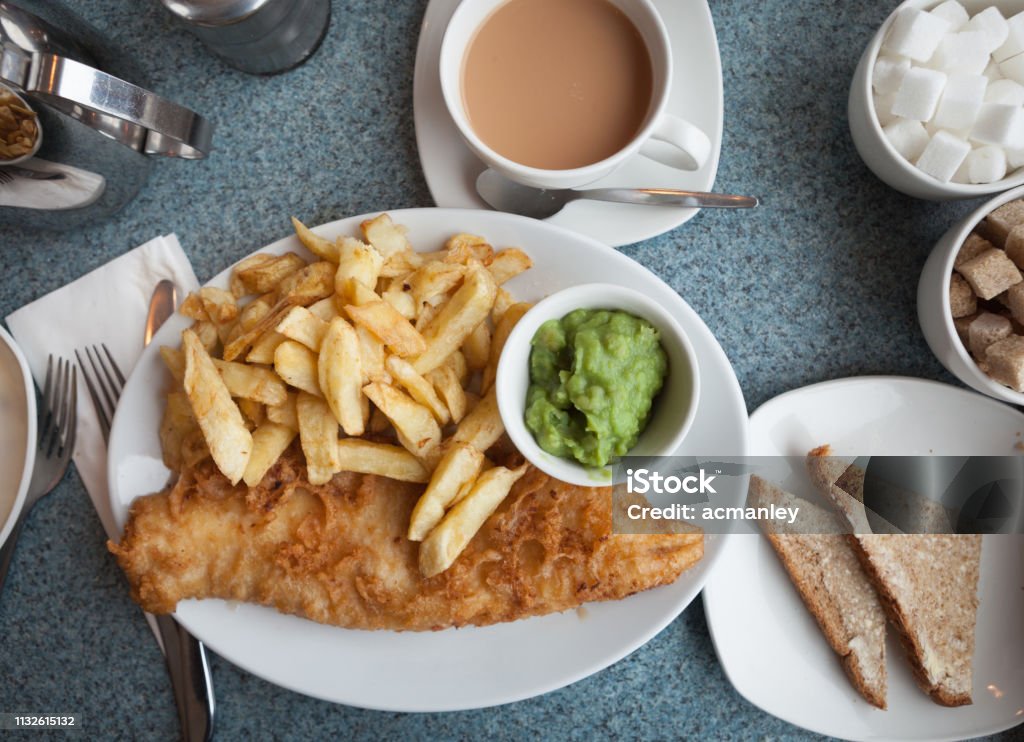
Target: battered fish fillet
(338,554)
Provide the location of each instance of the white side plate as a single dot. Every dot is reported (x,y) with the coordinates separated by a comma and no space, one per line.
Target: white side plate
(771,647)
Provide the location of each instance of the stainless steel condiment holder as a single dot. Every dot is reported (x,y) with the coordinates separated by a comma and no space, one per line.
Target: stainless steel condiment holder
(263,37)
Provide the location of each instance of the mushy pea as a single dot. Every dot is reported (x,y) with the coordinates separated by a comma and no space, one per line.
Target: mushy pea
(593,376)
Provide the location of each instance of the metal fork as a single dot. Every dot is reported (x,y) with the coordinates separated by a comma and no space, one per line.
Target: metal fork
(187,663)
(56,439)
(8,173)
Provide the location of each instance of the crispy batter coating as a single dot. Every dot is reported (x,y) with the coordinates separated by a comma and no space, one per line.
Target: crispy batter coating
(337,553)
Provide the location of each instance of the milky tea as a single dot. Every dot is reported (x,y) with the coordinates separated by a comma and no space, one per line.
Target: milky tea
(556,84)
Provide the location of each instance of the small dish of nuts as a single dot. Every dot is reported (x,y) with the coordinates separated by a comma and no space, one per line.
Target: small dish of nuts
(20,135)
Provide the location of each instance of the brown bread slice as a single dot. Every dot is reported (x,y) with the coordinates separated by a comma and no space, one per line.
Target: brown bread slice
(929,588)
(843,483)
(928,584)
(825,570)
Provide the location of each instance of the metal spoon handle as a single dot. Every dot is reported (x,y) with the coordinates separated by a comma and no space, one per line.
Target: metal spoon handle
(670,197)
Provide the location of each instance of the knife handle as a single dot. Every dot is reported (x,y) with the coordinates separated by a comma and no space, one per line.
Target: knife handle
(191,680)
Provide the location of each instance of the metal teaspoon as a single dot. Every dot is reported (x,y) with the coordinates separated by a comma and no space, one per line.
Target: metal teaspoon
(515,198)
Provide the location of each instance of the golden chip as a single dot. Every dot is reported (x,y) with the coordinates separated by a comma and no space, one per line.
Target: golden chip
(382,459)
(482,427)
(443,545)
(416,427)
(418,388)
(269,441)
(297,365)
(501,333)
(467,308)
(302,326)
(341,375)
(219,418)
(458,467)
(318,435)
(384,321)
(322,247)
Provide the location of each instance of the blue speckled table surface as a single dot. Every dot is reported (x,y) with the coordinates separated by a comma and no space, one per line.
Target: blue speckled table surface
(817,284)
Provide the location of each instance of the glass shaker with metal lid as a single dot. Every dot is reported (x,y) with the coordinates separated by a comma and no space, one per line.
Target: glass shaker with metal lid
(262,37)
(98,131)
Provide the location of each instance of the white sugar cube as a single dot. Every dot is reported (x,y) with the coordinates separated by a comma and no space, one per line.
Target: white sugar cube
(953,13)
(985,164)
(942,156)
(1014,43)
(992,72)
(962,174)
(1001,124)
(919,93)
(961,100)
(1005,91)
(966,52)
(907,137)
(1013,68)
(888,74)
(916,34)
(991,22)
(883,109)
(1014,158)
(932,130)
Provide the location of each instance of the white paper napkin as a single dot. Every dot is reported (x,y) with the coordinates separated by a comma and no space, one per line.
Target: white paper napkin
(78,188)
(108,306)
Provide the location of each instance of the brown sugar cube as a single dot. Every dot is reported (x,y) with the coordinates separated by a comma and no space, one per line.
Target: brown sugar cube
(986,329)
(962,326)
(1014,301)
(990,273)
(962,300)
(1015,245)
(1005,362)
(998,224)
(973,246)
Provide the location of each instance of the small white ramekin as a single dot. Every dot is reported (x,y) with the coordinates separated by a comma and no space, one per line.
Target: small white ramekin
(674,408)
(933,311)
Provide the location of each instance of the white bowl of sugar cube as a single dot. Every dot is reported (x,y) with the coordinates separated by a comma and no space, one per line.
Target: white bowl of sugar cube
(970,298)
(936,106)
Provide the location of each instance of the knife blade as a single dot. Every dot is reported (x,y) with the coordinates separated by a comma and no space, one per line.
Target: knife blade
(187,663)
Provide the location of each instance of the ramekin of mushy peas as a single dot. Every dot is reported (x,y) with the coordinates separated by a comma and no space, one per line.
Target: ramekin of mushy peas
(594,373)
(593,376)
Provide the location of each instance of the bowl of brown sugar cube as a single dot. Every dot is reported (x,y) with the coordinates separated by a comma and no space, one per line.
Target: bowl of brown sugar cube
(970,299)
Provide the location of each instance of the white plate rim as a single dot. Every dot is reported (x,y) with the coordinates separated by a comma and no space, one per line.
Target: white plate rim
(680,594)
(449,167)
(715,629)
(30,436)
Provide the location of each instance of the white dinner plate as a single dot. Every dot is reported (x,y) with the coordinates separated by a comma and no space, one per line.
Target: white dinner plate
(771,647)
(456,668)
(451,169)
(17,432)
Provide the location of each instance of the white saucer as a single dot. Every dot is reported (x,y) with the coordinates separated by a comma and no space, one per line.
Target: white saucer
(17,434)
(770,646)
(451,169)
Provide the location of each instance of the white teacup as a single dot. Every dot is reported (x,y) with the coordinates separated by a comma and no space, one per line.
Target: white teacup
(663,137)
